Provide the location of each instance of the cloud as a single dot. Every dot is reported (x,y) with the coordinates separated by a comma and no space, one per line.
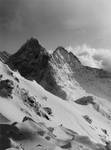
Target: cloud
(55,22)
(103,56)
(96,58)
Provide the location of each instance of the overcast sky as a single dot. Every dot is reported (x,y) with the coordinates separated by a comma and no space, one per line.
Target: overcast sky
(55,23)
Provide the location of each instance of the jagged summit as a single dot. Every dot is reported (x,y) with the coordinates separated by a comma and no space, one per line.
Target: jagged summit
(30,54)
(61,54)
(31,47)
(33,41)
(61,50)
(30,60)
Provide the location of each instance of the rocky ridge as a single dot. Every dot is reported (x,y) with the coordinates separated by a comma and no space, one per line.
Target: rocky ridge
(35,63)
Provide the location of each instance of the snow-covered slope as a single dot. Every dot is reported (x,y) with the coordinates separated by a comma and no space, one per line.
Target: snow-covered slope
(54,102)
(33,118)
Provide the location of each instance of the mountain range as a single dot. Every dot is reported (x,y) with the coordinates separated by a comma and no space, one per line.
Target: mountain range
(51,101)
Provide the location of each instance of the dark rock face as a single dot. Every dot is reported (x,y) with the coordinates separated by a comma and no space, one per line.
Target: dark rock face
(6,87)
(85,100)
(48,110)
(4,56)
(6,132)
(68,145)
(86,117)
(32,61)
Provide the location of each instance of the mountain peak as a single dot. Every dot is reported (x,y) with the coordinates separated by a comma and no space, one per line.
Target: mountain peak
(33,62)
(31,46)
(69,57)
(61,49)
(32,41)
(29,55)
